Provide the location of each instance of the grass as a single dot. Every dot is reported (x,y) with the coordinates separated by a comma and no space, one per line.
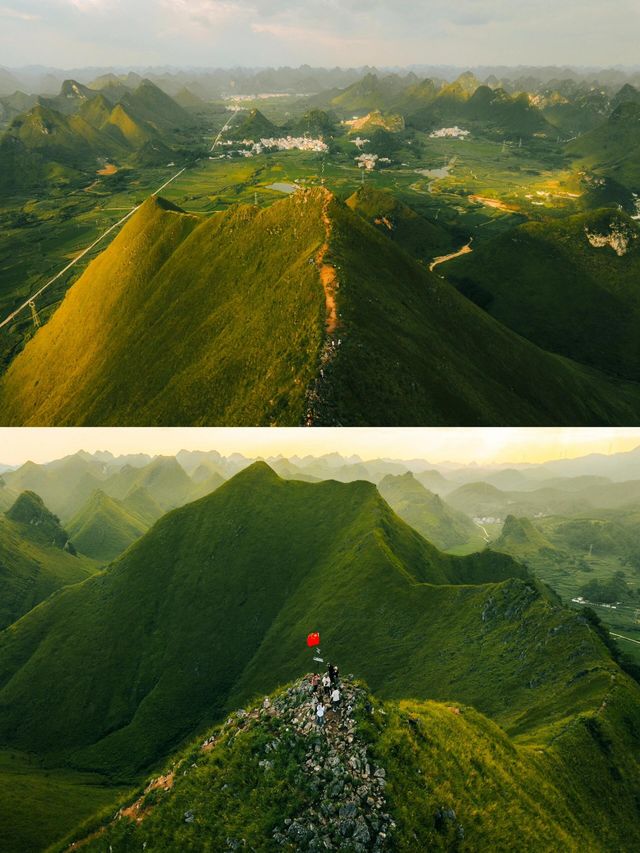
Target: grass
(453,780)
(104,528)
(171,668)
(546,282)
(411,349)
(39,805)
(32,568)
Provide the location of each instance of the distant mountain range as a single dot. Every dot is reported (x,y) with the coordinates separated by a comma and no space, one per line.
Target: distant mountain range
(81,129)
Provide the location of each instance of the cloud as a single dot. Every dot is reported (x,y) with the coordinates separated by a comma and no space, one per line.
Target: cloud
(9,12)
(347,32)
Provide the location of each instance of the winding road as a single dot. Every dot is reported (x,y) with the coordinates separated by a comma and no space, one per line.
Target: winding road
(444,258)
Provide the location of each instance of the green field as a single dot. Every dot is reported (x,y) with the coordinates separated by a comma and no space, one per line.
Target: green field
(38,805)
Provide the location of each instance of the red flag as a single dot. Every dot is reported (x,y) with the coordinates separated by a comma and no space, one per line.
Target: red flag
(313,639)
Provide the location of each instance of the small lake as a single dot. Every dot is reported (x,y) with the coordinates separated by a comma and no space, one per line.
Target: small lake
(282,187)
(435,173)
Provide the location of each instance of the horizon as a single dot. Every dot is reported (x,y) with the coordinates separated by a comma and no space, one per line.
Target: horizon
(464,446)
(230,32)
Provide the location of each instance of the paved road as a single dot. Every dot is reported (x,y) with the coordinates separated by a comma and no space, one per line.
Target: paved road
(622,637)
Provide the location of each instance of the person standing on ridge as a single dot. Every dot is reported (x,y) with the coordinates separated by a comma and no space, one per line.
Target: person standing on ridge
(320,714)
(335,699)
(326,683)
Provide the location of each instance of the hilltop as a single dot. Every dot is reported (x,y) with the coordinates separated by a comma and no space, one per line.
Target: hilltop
(254,126)
(612,147)
(36,557)
(301,312)
(521,539)
(105,527)
(427,513)
(379,776)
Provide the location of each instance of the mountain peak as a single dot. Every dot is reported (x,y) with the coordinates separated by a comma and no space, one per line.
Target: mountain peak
(30,509)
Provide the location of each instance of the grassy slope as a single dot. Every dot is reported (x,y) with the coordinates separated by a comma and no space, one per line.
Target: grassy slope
(104,528)
(546,282)
(427,513)
(416,235)
(31,569)
(38,806)
(613,147)
(502,796)
(416,352)
(188,610)
(239,345)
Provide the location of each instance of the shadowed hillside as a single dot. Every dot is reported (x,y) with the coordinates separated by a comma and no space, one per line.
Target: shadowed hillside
(36,558)
(302,312)
(104,527)
(569,286)
(382,776)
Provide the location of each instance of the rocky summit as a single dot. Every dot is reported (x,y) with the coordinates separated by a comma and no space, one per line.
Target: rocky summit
(349,806)
(336,787)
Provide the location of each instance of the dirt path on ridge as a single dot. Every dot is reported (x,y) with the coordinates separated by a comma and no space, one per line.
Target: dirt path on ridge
(328,275)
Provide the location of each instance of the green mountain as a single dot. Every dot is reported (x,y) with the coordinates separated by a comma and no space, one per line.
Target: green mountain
(36,558)
(313,123)
(195,626)
(255,126)
(371,93)
(434,481)
(186,99)
(613,148)
(521,539)
(427,513)
(64,486)
(44,526)
(484,499)
(517,710)
(267,777)
(567,285)
(365,334)
(164,481)
(467,102)
(148,103)
(80,128)
(104,528)
(140,502)
(71,98)
(414,233)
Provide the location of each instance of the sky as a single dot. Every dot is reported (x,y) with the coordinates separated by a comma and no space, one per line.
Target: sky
(489,445)
(224,33)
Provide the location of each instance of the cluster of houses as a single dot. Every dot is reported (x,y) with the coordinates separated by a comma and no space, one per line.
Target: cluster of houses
(249,148)
(449,133)
(291,143)
(368,162)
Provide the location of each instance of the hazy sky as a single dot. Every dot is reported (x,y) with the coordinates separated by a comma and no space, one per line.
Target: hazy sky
(463,445)
(65,33)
